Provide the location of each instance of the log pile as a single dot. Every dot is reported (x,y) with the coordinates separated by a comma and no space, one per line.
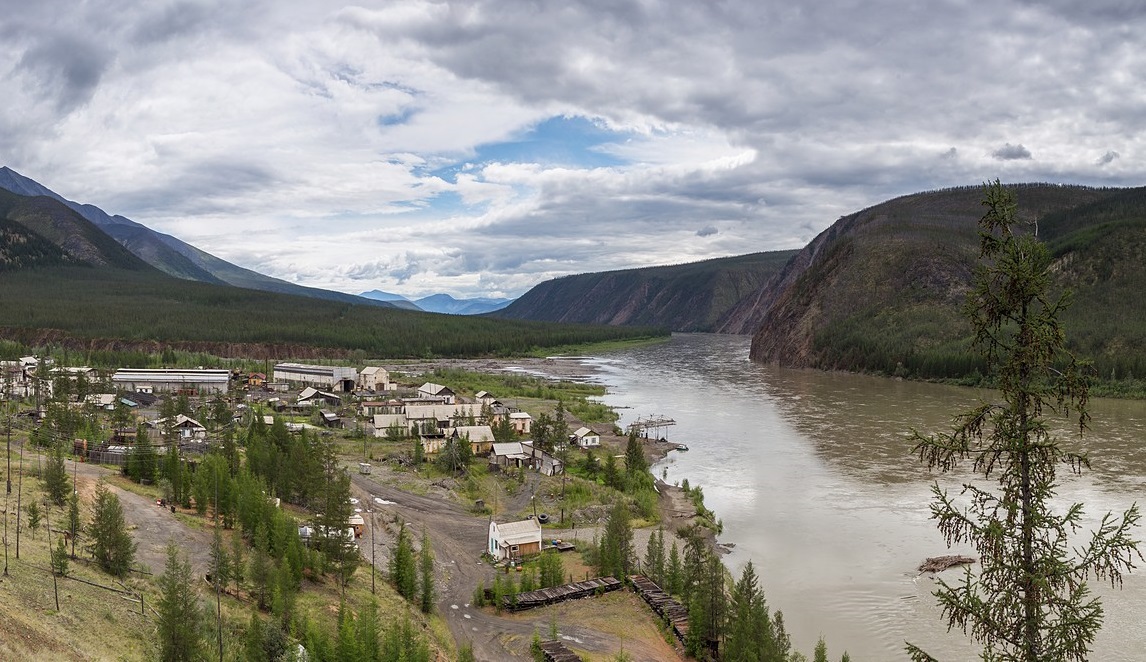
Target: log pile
(556,651)
(663,604)
(941,563)
(548,596)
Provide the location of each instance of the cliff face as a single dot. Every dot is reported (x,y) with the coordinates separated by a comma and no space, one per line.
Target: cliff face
(687,297)
(881,289)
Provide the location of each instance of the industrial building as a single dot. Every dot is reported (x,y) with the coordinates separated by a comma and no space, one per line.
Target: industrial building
(335,378)
(159,380)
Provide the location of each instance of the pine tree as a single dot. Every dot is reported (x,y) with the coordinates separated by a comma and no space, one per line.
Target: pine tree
(616,548)
(1029,601)
(35,516)
(673,572)
(655,557)
(60,558)
(111,545)
(181,623)
(750,636)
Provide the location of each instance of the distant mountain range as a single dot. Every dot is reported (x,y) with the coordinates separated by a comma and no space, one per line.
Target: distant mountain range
(440,303)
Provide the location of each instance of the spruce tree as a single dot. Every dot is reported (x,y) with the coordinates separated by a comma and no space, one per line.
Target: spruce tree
(181,625)
(111,545)
(616,548)
(426,566)
(1029,601)
(56,481)
(403,567)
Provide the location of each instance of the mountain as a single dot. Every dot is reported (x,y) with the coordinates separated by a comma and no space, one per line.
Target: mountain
(444,303)
(881,290)
(396,300)
(686,297)
(170,254)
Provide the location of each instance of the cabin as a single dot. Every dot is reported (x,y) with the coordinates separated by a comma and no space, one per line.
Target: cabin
(585,438)
(329,418)
(357,524)
(514,540)
(184,426)
(485,398)
(388,425)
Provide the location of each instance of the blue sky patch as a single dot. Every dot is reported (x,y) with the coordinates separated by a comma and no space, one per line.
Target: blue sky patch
(570,142)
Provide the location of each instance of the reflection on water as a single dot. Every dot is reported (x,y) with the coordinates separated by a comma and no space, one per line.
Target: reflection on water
(812,475)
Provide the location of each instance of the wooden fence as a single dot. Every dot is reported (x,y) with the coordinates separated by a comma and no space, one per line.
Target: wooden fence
(663,604)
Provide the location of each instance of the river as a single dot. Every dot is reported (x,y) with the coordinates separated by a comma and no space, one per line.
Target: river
(813,478)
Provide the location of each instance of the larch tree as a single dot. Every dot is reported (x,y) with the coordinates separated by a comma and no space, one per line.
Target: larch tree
(1029,600)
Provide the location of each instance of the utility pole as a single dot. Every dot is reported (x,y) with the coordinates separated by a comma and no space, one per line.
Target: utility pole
(51,552)
(215,574)
(19,500)
(373,568)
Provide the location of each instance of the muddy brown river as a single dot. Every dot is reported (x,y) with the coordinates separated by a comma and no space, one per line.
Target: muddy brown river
(812,476)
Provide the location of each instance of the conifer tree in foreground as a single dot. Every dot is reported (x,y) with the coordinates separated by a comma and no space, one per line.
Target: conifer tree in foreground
(1029,600)
(111,544)
(182,622)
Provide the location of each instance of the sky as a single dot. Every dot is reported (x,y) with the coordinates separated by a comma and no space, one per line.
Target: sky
(478,148)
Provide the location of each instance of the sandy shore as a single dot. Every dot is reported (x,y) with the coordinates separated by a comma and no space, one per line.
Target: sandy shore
(571,369)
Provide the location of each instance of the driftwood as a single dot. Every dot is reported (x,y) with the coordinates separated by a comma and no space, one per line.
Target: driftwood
(941,563)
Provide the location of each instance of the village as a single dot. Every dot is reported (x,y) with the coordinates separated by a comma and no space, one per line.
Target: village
(385,424)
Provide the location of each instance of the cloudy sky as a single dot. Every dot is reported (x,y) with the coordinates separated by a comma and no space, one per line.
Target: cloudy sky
(478,148)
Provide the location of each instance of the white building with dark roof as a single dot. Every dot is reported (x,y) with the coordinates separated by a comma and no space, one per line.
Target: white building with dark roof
(335,378)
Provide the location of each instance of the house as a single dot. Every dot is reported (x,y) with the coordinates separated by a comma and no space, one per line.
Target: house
(521,421)
(101,400)
(509,455)
(184,426)
(256,380)
(374,378)
(336,378)
(514,540)
(441,415)
(432,390)
(485,398)
(330,419)
(312,396)
(480,437)
(157,380)
(541,461)
(385,425)
(585,438)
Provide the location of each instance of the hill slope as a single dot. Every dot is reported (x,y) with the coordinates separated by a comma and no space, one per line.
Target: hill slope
(686,297)
(170,254)
(881,290)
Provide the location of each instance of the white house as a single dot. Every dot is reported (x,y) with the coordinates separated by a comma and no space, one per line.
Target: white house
(375,378)
(185,426)
(514,540)
(521,421)
(443,393)
(586,438)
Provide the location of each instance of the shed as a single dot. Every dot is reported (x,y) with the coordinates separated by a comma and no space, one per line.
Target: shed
(514,540)
(586,438)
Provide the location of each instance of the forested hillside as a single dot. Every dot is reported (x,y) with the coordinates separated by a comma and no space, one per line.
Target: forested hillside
(685,297)
(881,289)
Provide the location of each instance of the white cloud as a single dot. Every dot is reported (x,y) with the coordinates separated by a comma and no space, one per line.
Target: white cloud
(337,145)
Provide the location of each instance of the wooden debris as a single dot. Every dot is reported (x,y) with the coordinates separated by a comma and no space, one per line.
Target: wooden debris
(941,563)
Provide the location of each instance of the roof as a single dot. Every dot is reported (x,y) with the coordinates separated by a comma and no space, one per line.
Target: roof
(442,412)
(372,370)
(316,370)
(526,530)
(583,431)
(476,433)
(382,421)
(520,414)
(171,375)
(434,389)
(311,392)
(483,394)
(508,448)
